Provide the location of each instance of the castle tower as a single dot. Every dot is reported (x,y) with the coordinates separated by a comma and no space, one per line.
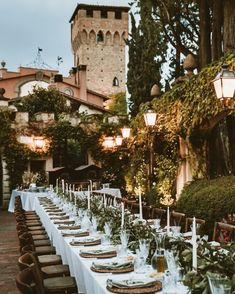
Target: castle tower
(97,37)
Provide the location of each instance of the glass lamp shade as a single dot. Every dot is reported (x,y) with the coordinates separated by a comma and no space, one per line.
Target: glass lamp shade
(150,118)
(118,140)
(109,142)
(224,83)
(39,142)
(126,131)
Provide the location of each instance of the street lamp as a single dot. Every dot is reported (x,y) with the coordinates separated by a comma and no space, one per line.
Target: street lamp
(118,140)
(150,117)
(108,142)
(126,131)
(224,85)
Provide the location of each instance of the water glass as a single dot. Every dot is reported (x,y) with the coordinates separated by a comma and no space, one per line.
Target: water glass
(219,284)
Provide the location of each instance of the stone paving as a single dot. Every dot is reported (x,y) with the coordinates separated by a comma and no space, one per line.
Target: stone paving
(9,253)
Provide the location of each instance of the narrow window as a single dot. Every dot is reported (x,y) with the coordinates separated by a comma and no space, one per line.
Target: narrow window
(100,37)
(115,82)
(118,15)
(89,13)
(104,14)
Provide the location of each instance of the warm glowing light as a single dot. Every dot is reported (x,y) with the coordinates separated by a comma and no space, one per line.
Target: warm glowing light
(108,142)
(118,140)
(126,131)
(224,84)
(150,118)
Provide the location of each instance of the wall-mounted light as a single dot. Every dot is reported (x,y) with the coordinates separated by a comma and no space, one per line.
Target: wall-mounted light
(118,140)
(224,84)
(39,143)
(109,142)
(126,131)
(150,117)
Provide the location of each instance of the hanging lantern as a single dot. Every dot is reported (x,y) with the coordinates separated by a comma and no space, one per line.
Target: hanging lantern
(118,140)
(224,84)
(150,117)
(126,131)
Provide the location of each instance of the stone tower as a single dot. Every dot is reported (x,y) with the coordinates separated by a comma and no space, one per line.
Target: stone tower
(97,37)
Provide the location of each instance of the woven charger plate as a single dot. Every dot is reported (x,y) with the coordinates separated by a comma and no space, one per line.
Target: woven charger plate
(77,243)
(101,255)
(83,234)
(115,270)
(148,290)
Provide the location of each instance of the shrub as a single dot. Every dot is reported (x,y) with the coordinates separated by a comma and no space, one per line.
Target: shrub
(211,200)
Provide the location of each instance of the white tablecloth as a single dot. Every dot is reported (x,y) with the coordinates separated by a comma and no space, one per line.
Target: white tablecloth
(88,281)
(111,191)
(27,198)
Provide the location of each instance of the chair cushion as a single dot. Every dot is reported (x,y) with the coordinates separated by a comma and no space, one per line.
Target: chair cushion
(56,270)
(45,250)
(35,228)
(40,237)
(59,283)
(42,243)
(51,259)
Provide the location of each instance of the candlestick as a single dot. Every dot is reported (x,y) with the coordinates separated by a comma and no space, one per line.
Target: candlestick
(194,243)
(73,187)
(91,184)
(57,185)
(168,221)
(70,194)
(123,214)
(62,182)
(75,198)
(89,198)
(140,204)
(105,202)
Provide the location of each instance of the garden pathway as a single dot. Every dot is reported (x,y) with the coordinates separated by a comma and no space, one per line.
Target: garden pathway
(9,253)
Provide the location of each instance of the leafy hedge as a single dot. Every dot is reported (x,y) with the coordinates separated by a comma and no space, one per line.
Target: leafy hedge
(211,200)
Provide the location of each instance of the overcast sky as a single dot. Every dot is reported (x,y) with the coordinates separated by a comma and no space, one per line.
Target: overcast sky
(26,25)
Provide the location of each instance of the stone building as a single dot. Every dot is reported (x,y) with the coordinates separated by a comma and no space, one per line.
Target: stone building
(97,37)
(14,85)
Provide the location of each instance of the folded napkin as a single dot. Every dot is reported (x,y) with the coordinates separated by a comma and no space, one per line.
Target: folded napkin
(97,251)
(60,217)
(111,265)
(131,283)
(74,233)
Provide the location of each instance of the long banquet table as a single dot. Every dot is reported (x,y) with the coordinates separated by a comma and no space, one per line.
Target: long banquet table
(27,198)
(88,282)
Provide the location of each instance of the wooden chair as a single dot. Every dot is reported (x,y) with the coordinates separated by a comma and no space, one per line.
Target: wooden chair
(39,246)
(44,260)
(135,208)
(52,285)
(189,222)
(158,213)
(223,232)
(177,218)
(147,212)
(25,281)
(25,261)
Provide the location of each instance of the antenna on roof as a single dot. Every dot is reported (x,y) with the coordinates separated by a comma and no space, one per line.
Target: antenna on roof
(38,61)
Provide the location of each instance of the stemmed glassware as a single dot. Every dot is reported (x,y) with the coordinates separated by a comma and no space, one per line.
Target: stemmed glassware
(107,233)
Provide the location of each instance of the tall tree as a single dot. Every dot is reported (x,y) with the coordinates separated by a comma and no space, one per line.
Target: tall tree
(146,54)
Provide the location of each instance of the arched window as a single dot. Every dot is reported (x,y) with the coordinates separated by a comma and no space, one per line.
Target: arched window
(115,82)
(100,37)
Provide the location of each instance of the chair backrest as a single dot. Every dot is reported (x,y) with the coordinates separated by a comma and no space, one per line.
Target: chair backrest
(24,261)
(189,222)
(223,232)
(37,274)
(158,213)
(25,281)
(27,249)
(177,218)
(147,212)
(135,208)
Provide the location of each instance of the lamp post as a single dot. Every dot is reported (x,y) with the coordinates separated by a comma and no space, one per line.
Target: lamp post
(150,117)
(224,85)
(126,131)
